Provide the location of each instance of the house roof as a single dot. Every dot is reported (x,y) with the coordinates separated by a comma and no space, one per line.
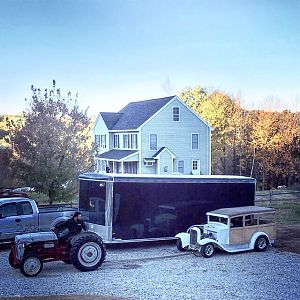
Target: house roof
(110,119)
(162,149)
(116,154)
(134,114)
(235,211)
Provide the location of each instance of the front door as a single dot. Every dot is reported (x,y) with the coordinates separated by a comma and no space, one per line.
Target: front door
(29,220)
(10,221)
(236,235)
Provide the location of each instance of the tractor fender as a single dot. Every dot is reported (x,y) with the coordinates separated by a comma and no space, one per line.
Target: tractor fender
(58,221)
(254,238)
(184,237)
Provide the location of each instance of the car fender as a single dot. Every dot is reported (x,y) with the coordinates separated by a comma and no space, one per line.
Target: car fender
(254,238)
(206,241)
(184,237)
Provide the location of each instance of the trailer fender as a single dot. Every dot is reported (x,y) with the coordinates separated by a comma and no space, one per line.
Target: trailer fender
(184,237)
(254,238)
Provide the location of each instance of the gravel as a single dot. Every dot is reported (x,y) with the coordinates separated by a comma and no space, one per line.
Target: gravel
(161,272)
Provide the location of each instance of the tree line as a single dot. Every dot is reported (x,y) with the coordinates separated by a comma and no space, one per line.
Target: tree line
(48,147)
(51,143)
(264,144)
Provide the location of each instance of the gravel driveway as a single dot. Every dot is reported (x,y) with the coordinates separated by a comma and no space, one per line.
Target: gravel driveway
(161,272)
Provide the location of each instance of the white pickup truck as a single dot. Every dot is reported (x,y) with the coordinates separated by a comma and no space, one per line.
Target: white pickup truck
(21,215)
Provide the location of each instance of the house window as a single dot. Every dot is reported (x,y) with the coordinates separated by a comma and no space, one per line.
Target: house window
(97,140)
(195,141)
(133,141)
(125,141)
(153,142)
(116,141)
(195,165)
(103,141)
(176,114)
(180,166)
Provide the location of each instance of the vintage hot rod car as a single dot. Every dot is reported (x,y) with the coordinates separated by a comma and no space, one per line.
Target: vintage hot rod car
(232,229)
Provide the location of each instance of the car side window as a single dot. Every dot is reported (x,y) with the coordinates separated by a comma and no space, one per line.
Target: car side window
(236,222)
(250,220)
(8,210)
(26,208)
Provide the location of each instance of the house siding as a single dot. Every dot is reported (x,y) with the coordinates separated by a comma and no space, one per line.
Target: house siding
(176,136)
(165,161)
(101,129)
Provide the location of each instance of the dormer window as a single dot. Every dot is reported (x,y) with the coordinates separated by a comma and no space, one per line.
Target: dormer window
(176,114)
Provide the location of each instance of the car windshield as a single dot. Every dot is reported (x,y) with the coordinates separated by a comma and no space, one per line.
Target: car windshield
(217,219)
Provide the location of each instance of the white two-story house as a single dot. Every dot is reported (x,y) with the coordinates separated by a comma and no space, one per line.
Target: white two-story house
(159,136)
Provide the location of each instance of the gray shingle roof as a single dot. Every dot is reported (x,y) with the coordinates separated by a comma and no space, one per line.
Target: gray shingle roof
(116,154)
(110,119)
(134,114)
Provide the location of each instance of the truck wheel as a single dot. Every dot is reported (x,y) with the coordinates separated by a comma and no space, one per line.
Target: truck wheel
(31,265)
(179,245)
(11,261)
(88,253)
(208,250)
(261,243)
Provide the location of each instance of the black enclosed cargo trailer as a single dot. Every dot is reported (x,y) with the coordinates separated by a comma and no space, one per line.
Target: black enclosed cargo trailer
(146,207)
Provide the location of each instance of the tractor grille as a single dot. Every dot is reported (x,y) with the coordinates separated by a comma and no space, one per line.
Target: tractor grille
(193,237)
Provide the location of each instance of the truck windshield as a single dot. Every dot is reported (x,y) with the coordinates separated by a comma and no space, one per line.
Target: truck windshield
(92,197)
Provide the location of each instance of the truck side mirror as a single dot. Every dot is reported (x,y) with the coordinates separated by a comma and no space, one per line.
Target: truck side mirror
(1,217)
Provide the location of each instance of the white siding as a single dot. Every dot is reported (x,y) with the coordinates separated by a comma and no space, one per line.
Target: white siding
(101,129)
(176,136)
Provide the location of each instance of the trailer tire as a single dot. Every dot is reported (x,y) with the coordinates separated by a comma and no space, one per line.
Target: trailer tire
(88,253)
(179,245)
(207,250)
(11,261)
(261,243)
(31,265)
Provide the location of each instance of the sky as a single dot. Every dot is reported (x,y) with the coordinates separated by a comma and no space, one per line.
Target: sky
(112,52)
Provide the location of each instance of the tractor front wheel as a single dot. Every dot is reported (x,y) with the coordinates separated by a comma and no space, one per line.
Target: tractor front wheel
(12,261)
(31,265)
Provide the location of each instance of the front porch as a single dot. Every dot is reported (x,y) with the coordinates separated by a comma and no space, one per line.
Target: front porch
(118,161)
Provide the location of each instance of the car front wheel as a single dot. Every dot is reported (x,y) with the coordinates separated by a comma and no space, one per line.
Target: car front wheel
(207,250)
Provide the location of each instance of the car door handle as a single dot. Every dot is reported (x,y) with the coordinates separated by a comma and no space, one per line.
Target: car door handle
(18,220)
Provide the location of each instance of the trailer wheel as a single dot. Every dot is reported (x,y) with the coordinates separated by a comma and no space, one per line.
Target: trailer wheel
(179,245)
(31,265)
(261,243)
(11,261)
(88,253)
(208,250)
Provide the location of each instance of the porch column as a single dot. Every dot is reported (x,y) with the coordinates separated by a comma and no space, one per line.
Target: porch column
(122,167)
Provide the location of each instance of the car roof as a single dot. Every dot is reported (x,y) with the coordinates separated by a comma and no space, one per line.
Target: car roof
(243,210)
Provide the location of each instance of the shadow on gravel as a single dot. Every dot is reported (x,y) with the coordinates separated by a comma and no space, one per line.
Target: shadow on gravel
(68,297)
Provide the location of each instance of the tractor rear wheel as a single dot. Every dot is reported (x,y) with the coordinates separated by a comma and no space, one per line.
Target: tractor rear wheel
(88,253)
(31,265)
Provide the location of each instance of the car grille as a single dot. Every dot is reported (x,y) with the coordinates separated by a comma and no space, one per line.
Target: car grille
(193,237)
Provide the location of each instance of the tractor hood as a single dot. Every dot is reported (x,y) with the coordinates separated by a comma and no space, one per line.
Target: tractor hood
(35,237)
